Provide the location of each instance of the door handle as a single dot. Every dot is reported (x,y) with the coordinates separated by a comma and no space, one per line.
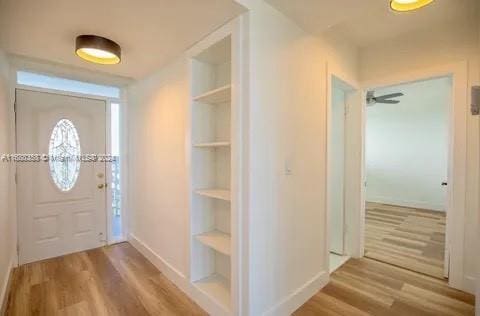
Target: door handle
(444,184)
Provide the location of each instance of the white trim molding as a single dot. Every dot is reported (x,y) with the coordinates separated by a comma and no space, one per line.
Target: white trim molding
(292,302)
(470,284)
(353,162)
(5,289)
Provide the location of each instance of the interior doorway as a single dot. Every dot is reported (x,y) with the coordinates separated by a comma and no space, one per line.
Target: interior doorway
(407,139)
(338,214)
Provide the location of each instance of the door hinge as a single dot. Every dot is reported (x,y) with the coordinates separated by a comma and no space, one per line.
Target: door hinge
(16,178)
(15,106)
(18,249)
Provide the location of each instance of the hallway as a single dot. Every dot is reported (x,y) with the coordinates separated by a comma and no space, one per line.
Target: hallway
(215,157)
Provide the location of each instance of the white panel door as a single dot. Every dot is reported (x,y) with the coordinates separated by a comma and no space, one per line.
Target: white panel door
(337,172)
(61,212)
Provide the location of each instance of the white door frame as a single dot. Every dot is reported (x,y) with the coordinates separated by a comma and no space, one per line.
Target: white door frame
(457,157)
(123,145)
(351,88)
(336,83)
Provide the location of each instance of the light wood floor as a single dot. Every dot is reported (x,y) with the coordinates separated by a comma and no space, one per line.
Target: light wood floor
(406,237)
(118,280)
(115,280)
(367,287)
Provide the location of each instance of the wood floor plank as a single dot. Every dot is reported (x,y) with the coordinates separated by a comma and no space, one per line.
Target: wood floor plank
(355,298)
(115,291)
(406,237)
(79,309)
(411,309)
(462,307)
(40,302)
(368,287)
(115,280)
(323,304)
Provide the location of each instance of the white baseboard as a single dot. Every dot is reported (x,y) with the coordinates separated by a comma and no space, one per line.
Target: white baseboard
(293,301)
(178,278)
(399,202)
(469,284)
(6,286)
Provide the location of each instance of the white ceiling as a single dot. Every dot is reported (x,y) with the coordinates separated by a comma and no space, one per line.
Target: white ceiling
(150,32)
(365,22)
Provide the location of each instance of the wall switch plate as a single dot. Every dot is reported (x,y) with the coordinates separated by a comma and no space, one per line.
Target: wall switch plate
(475,108)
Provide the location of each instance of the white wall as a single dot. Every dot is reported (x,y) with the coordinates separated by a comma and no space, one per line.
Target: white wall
(7,243)
(287,128)
(407,145)
(439,45)
(477,303)
(158,192)
(478,219)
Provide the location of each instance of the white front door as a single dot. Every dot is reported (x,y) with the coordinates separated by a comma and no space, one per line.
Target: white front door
(337,172)
(61,202)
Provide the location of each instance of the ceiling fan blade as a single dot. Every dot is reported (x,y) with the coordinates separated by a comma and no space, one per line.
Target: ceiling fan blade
(388,101)
(389,96)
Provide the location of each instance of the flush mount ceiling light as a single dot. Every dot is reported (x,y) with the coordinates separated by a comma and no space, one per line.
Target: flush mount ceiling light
(408,5)
(97,49)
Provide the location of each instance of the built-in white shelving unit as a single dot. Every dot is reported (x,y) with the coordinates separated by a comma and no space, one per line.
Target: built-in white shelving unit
(214,144)
(216,194)
(217,287)
(216,96)
(211,156)
(216,240)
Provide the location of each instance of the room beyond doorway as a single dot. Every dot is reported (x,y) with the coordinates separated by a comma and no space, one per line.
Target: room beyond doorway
(406,237)
(407,171)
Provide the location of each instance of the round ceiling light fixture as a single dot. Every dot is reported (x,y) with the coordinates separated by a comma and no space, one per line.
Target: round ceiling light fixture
(408,5)
(97,49)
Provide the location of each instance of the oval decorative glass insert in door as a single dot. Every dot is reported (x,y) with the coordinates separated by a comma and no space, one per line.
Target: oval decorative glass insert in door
(64,153)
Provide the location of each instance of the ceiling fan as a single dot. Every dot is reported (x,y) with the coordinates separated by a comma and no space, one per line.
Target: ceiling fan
(385,99)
